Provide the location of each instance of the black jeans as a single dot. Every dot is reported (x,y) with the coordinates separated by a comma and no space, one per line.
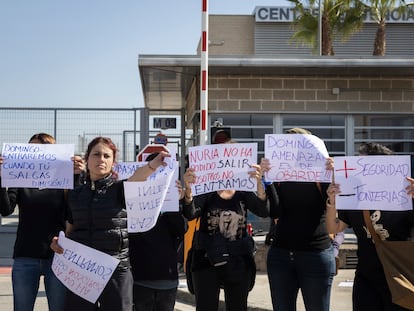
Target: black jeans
(149,299)
(208,281)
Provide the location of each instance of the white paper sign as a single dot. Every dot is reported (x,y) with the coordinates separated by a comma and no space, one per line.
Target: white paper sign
(126,169)
(144,200)
(171,202)
(37,166)
(83,270)
(223,166)
(373,182)
(296,157)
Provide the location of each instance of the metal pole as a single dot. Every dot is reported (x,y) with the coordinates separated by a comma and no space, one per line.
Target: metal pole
(204,75)
(320,28)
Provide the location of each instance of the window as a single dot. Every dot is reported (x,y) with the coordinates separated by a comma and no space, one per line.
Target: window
(330,128)
(396,132)
(247,127)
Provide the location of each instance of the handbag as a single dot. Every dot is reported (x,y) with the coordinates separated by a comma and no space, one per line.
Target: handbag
(189,262)
(188,272)
(397,261)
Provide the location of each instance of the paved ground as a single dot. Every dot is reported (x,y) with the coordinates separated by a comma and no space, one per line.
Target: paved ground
(259,298)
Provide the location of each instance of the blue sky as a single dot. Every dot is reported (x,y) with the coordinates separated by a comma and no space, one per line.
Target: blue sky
(84,53)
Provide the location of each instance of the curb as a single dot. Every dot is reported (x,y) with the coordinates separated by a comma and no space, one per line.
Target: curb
(5,270)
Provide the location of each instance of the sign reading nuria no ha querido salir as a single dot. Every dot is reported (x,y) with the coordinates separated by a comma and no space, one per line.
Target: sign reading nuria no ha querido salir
(223,166)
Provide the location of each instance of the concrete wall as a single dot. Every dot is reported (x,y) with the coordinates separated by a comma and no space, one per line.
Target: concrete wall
(347,256)
(231,35)
(311,94)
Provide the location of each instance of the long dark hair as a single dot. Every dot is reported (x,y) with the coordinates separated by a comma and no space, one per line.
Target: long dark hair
(373,149)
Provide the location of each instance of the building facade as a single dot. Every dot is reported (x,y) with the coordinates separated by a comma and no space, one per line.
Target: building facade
(261,82)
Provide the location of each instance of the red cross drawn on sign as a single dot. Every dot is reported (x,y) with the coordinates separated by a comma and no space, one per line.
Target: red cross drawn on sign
(346,169)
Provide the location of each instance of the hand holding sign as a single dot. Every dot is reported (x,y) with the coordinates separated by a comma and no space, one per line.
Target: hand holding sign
(171,203)
(145,199)
(410,187)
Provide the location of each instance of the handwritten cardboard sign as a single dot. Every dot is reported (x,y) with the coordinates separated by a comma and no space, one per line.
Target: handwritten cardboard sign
(37,166)
(171,202)
(296,157)
(83,270)
(223,166)
(373,182)
(144,199)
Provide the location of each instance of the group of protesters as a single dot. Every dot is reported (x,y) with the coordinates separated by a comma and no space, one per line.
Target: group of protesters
(301,255)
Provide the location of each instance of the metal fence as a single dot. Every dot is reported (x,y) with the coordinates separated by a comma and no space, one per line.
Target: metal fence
(75,126)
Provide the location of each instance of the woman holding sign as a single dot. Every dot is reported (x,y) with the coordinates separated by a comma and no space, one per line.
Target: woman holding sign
(301,255)
(370,290)
(99,220)
(223,251)
(42,214)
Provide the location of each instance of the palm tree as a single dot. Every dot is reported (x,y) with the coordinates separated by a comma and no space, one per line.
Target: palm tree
(379,10)
(340,18)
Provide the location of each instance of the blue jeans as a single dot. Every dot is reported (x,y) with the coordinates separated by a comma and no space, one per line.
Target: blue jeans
(310,271)
(26,278)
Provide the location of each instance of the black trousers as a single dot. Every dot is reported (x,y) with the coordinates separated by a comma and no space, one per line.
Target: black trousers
(116,296)
(150,299)
(372,294)
(235,283)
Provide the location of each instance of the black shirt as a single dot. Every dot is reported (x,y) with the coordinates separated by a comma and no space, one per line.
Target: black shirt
(42,214)
(393,225)
(300,209)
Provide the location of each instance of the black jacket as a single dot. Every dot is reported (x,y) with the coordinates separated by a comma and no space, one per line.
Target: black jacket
(99,217)
(42,214)
(153,254)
